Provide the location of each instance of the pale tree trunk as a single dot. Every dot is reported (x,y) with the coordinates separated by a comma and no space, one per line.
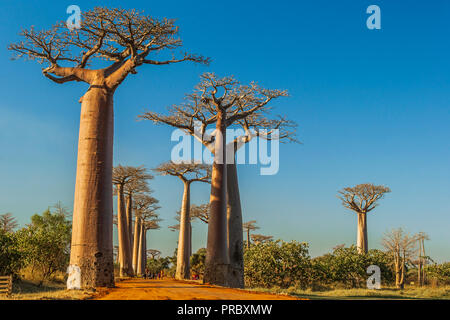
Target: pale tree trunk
(190,239)
(130,218)
(124,238)
(361,242)
(217,259)
(137,230)
(92,226)
(235,231)
(182,271)
(144,251)
(140,248)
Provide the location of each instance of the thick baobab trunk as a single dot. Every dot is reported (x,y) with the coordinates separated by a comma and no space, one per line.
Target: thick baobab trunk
(144,251)
(126,269)
(361,242)
(182,271)
(136,236)
(92,226)
(140,271)
(190,239)
(130,218)
(235,232)
(217,259)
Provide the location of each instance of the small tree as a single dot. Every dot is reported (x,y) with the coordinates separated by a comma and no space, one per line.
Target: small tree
(362,199)
(402,247)
(249,226)
(127,39)
(7,222)
(11,255)
(187,173)
(260,238)
(45,243)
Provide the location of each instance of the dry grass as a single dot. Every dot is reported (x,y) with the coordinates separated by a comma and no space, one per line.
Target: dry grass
(30,290)
(350,294)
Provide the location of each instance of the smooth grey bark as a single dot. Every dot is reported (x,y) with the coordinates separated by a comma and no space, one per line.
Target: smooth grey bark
(361,241)
(217,258)
(235,230)
(182,271)
(92,225)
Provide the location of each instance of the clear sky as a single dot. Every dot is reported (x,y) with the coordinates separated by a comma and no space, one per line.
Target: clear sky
(372,106)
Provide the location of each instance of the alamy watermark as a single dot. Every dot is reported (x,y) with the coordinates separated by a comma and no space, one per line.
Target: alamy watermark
(74,20)
(263,147)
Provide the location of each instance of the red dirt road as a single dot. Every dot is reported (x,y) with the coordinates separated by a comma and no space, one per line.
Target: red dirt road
(168,289)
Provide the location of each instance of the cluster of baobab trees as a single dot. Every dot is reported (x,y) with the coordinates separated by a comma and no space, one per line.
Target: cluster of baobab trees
(129,39)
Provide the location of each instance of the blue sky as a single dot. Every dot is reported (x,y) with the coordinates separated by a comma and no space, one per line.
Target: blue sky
(372,106)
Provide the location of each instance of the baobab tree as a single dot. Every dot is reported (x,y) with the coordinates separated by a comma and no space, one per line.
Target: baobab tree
(137,185)
(187,173)
(153,253)
(7,222)
(402,247)
(127,39)
(143,206)
(247,227)
(362,199)
(122,176)
(224,103)
(260,238)
(148,222)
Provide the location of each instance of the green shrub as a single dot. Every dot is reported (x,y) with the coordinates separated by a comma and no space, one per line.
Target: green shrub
(11,258)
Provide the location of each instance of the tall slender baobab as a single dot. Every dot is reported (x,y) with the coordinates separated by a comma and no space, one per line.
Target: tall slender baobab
(248,226)
(362,199)
(224,103)
(127,39)
(139,185)
(187,173)
(143,206)
(122,176)
(148,222)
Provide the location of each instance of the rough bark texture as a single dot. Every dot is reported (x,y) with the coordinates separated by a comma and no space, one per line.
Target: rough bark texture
(136,236)
(182,271)
(361,241)
(217,259)
(235,230)
(91,247)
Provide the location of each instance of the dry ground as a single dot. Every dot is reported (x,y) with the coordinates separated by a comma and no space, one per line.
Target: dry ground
(168,289)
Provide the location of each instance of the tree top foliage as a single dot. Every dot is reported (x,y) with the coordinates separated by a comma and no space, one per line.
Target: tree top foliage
(188,172)
(246,106)
(362,198)
(127,38)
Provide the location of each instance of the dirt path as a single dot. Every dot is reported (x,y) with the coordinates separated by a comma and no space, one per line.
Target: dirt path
(139,289)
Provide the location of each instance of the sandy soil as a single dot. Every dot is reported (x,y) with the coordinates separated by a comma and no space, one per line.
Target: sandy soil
(168,289)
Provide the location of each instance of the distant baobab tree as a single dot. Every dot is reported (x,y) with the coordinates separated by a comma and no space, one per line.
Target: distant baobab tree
(144,207)
(149,222)
(7,222)
(187,173)
(249,226)
(362,199)
(153,253)
(223,103)
(259,238)
(122,176)
(402,247)
(128,39)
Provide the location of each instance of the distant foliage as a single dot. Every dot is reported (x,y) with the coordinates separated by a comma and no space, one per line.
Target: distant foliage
(11,258)
(277,263)
(198,262)
(45,243)
(157,265)
(348,268)
(439,273)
